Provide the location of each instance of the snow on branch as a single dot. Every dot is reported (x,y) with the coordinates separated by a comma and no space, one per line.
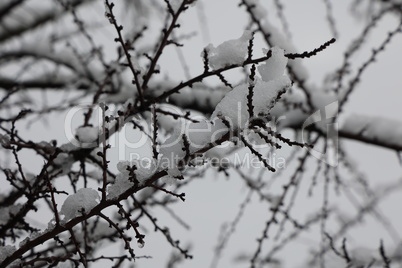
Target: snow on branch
(373,130)
(229,52)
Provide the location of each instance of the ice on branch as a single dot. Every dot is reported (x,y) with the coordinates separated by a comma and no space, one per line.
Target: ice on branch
(233,107)
(229,52)
(81,202)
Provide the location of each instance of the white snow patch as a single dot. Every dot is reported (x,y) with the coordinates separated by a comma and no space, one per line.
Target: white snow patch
(144,169)
(229,52)
(174,172)
(33,236)
(233,107)
(275,66)
(84,200)
(69,147)
(198,135)
(375,128)
(87,134)
(120,185)
(5,140)
(6,251)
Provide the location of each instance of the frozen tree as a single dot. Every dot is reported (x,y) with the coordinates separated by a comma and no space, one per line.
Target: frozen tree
(111,111)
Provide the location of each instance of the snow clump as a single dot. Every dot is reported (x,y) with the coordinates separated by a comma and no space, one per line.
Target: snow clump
(142,169)
(233,107)
(87,134)
(6,251)
(4,140)
(83,201)
(196,136)
(229,52)
(275,66)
